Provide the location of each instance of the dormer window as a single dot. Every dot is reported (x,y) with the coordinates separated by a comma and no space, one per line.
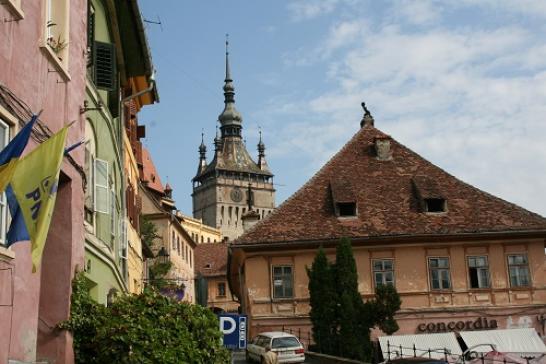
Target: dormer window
(346,209)
(343,198)
(430,196)
(435,205)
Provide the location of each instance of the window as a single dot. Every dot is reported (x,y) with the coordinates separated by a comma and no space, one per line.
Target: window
(56,30)
(4,138)
(173,241)
(383,272)
(435,205)
(439,273)
(178,244)
(101,186)
(518,268)
(346,209)
(90,153)
(15,7)
(90,35)
(113,214)
(282,282)
(478,271)
(222,289)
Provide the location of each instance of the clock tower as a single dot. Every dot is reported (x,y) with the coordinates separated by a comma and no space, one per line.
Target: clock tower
(225,189)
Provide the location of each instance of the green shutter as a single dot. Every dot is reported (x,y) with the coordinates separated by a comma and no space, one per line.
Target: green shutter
(105,66)
(90,34)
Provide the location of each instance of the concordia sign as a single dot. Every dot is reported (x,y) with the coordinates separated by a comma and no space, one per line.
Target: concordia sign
(234,329)
(481,323)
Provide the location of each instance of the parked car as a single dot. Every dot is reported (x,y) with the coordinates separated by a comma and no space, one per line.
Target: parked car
(288,347)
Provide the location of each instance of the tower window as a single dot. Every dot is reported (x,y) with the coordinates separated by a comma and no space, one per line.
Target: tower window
(346,208)
(435,205)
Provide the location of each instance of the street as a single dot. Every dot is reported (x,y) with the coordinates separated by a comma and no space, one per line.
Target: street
(238,357)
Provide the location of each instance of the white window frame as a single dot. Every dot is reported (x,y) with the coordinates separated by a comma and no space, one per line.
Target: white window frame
(3,199)
(57,12)
(440,269)
(383,272)
(519,266)
(15,7)
(479,268)
(113,214)
(98,186)
(282,276)
(123,244)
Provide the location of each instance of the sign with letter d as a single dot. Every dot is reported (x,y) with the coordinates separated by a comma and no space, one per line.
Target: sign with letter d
(234,329)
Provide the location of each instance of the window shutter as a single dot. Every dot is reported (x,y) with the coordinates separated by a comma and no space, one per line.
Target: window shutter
(90,34)
(101,186)
(105,66)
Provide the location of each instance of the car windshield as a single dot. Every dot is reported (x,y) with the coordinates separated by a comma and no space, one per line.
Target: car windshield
(285,342)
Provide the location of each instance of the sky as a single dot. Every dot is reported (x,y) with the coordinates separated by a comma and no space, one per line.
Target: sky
(462,83)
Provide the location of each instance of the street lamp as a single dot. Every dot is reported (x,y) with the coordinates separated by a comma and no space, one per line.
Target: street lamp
(162,255)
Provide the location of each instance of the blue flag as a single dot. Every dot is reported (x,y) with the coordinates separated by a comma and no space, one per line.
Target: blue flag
(17,230)
(15,148)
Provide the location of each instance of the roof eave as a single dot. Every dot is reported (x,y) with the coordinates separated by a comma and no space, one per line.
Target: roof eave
(402,238)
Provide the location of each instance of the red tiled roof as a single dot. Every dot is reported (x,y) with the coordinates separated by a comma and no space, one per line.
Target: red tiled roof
(150,173)
(211,259)
(387,195)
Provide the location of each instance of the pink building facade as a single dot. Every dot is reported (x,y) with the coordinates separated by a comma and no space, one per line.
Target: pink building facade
(43,57)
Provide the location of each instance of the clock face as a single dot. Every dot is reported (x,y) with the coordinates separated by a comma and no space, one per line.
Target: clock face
(236,195)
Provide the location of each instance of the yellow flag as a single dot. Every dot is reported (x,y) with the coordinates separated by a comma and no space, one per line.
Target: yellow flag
(6,173)
(35,183)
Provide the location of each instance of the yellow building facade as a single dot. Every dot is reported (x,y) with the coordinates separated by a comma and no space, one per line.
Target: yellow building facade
(199,232)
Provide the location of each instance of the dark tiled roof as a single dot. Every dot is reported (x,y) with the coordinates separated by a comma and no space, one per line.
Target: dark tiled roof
(150,174)
(211,259)
(387,195)
(233,157)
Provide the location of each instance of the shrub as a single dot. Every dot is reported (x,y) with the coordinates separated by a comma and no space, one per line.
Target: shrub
(145,328)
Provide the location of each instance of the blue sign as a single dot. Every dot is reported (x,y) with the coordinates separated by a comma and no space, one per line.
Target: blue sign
(234,329)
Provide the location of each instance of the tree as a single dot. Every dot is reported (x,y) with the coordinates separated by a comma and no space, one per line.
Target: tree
(353,334)
(157,270)
(323,303)
(337,308)
(386,303)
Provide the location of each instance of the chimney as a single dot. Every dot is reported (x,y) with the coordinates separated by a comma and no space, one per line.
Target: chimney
(250,218)
(383,148)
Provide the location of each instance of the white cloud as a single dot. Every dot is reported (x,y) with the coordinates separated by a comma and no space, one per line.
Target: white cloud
(471,99)
(416,12)
(309,9)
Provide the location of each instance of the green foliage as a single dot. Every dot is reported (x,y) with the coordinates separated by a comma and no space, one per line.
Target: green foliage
(145,328)
(386,303)
(337,307)
(323,303)
(157,270)
(353,333)
(148,232)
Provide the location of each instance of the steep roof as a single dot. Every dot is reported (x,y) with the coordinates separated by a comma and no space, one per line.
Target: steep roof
(389,194)
(234,157)
(150,174)
(211,259)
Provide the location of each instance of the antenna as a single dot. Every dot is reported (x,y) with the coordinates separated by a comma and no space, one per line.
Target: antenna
(157,22)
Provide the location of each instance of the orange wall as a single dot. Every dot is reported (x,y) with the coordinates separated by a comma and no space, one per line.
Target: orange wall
(500,302)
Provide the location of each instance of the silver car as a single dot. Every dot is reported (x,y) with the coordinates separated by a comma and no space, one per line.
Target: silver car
(288,348)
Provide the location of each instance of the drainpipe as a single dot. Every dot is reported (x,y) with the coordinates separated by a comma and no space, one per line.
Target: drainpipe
(122,157)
